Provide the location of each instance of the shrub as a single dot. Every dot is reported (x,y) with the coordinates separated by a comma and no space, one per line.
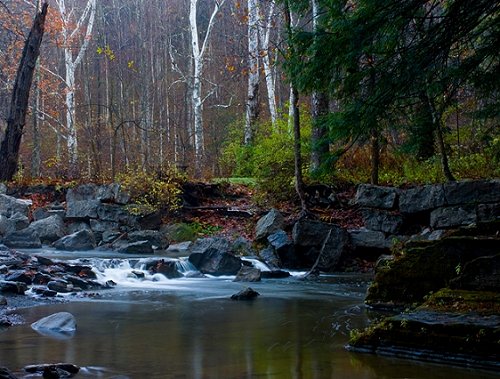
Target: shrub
(151,192)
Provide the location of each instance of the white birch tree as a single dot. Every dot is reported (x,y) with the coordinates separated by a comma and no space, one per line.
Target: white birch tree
(252,102)
(71,31)
(198,54)
(264,36)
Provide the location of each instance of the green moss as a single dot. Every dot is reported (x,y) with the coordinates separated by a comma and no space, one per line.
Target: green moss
(448,300)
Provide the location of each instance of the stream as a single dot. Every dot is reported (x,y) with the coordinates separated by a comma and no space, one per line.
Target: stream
(153,327)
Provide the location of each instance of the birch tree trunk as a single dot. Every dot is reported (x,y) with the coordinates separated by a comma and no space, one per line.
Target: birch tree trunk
(198,54)
(9,147)
(264,35)
(252,104)
(70,64)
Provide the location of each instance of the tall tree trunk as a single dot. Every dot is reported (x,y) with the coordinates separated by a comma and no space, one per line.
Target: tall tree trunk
(374,155)
(198,55)
(319,144)
(70,64)
(37,139)
(9,148)
(264,35)
(436,120)
(319,108)
(295,115)
(252,104)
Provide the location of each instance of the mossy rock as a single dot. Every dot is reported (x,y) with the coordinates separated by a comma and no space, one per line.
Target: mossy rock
(179,232)
(466,339)
(448,300)
(426,266)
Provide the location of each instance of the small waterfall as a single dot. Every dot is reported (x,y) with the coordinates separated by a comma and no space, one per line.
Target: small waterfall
(258,264)
(184,266)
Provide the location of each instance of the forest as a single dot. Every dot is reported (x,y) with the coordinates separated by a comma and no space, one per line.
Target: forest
(386,92)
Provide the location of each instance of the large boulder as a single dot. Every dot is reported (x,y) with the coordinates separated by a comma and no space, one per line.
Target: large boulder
(422,198)
(82,209)
(201,245)
(78,241)
(309,236)
(156,239)
(20,221)
(472,192)
(6,225)
(488,212)
(23,239)
(382,220)
(449,217)
(82,192)
(62,322)
(269,224)
(49,229)
(116,213)
(270,257)
(369,239)
(3,189)
(282,251)
(248,274)
(216,262)
(10,205)
(246,294)
(138,247)
(371,196)
(112,193)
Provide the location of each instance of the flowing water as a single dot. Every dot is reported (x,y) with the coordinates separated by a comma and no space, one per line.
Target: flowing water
(188,328)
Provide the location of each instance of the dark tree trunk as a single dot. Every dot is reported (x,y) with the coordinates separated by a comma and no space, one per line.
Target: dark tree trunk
(374,155)
(319,148)
(9,148)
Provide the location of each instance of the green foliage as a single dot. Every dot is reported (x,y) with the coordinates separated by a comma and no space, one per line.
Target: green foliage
(150,192)
(270,159)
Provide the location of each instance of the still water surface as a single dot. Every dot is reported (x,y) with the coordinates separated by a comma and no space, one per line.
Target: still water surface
(188,328)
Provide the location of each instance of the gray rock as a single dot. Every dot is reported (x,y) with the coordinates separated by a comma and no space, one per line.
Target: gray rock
(112,193)
(246,294)
(3,189)
(23,239)
(99,226)
(116,213)
(178,232)
(18,288)
(20,221)
(472,192)
(57,323)
(308,237)
(201,245)
(157,240)
(82,209)
(279,240)
(82,240)
(10,205)
(488,212)
(371,196)
(166,268)
(269,224)
(57,370)
(248,274)
(5,373)
(364,238)
(77,226)
(270,257)
(19,276)
(423,198)
(6,225)
(243,247)
(3,300)
(216,262)
(82,193)
(60,285)
(382,221)
(138,247)
(449,217)
(49,229)
(110,236)
(179,249)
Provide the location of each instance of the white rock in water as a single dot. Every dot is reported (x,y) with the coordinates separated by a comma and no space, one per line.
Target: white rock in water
(57,323)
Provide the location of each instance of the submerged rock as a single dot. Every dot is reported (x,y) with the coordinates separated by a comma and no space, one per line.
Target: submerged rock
(54,370)
(5,373)
(61,324)
(246,294)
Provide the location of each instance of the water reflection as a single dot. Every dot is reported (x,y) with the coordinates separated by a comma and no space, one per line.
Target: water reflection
(298,332)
